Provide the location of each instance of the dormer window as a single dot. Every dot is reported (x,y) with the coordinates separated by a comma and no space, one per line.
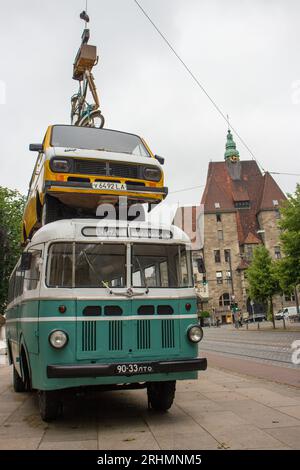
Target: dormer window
(217,205)
(242,204)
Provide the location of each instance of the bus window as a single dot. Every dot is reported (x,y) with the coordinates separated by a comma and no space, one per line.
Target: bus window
(59,271)
(33,276)
(96,264)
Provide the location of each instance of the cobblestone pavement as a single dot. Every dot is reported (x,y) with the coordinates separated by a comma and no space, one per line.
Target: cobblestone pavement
(263,345)
(220,410)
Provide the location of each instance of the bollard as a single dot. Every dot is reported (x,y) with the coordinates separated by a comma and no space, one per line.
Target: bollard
(258,325)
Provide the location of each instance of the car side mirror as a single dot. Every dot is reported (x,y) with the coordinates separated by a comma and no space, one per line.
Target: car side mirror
(26,259)
(36,147)
(161,160)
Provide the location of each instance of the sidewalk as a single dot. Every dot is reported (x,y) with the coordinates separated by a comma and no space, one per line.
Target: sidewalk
(222,410)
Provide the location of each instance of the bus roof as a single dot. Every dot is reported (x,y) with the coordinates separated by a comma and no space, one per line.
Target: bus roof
(92,230)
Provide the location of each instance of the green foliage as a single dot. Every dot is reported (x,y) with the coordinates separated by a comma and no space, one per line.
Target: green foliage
(11,211)
(263,280)
(289,266)
(262,276)
(204,314)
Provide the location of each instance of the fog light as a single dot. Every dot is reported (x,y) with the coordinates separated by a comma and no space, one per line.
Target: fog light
(58,339)
(195,333)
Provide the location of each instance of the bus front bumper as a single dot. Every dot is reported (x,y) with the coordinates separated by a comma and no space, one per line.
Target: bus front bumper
(126,369)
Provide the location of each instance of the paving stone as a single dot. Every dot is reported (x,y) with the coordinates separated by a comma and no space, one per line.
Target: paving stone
(127,441)
(291,411)
(69,445)
(289,436)
(176,440)
(24,443)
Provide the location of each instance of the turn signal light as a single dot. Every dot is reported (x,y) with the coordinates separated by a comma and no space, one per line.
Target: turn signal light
(188,307)
(62,308)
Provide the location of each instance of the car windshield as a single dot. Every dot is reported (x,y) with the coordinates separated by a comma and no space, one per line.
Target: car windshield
(98,139)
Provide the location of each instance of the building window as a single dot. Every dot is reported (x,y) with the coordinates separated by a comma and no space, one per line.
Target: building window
(227,256)
(224,300)
(217,254)
(249,252)
(217,205)
(219,217)
(242,204)
(277,214)
(228,278)
(219,277)
(220,235)
(289,297)
(277,252)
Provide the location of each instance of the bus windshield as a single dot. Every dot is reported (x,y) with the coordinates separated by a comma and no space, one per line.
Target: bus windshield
(161,266)
(91,138)
(91,265)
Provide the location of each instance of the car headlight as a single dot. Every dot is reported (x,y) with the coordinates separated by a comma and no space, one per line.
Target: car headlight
(195,333)
(152,174)
(58,339)
(60,165)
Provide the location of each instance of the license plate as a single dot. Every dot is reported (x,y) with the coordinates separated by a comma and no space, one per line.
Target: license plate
(131,369)
(109,186)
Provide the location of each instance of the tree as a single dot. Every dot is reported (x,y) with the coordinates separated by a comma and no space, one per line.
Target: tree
(11,211)
(262,278)
(289,266)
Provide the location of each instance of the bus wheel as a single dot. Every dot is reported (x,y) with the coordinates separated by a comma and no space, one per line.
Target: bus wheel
(161,394)
(18,384)
(50,405)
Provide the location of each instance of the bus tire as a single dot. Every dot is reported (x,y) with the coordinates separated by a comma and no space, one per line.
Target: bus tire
(50,405)
(18,384)
(50,210)
(161,395)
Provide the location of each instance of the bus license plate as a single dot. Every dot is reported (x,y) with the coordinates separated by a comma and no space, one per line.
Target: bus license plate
(131,369)
(109,186)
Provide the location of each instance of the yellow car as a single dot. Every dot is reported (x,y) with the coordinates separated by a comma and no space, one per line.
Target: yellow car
(78,168)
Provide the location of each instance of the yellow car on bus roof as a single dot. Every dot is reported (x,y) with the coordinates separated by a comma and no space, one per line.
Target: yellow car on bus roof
(78,168)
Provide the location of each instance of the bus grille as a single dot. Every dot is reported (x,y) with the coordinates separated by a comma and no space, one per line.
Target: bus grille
(143,334)
(115,335)
(167,334)
(89,336)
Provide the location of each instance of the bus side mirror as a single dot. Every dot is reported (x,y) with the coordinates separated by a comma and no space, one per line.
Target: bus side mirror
(161,160)
(25,261)
(36,147)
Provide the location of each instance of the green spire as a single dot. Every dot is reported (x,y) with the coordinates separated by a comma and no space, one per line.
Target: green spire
(231,151)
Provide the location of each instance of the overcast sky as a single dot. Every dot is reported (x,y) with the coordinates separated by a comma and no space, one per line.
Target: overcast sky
(245,52)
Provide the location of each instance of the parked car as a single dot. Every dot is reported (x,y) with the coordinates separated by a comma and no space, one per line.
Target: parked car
(257,317)
(291,313)
(280,315)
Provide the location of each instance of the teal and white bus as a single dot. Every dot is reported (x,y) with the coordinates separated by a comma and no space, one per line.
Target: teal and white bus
(106,305)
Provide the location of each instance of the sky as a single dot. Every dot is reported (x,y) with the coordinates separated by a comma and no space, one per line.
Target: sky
(244,52)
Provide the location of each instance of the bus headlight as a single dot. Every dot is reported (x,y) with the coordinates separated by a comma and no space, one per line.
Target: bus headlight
(195,333)
(60,165)
(58,339)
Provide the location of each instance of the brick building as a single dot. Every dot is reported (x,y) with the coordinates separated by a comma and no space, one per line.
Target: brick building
(241,211)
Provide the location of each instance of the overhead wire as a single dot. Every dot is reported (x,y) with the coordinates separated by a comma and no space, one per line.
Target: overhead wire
(196,80)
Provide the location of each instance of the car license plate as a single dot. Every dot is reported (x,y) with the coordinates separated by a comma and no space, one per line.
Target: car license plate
(109,186)
(131,369)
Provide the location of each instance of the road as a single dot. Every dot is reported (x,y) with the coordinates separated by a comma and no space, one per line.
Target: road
(264,345)
(262,353)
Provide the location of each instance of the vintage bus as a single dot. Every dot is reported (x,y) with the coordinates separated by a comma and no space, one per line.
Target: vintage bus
(103,304)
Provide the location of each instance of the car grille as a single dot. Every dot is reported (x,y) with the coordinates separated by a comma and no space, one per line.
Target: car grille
(91,167)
